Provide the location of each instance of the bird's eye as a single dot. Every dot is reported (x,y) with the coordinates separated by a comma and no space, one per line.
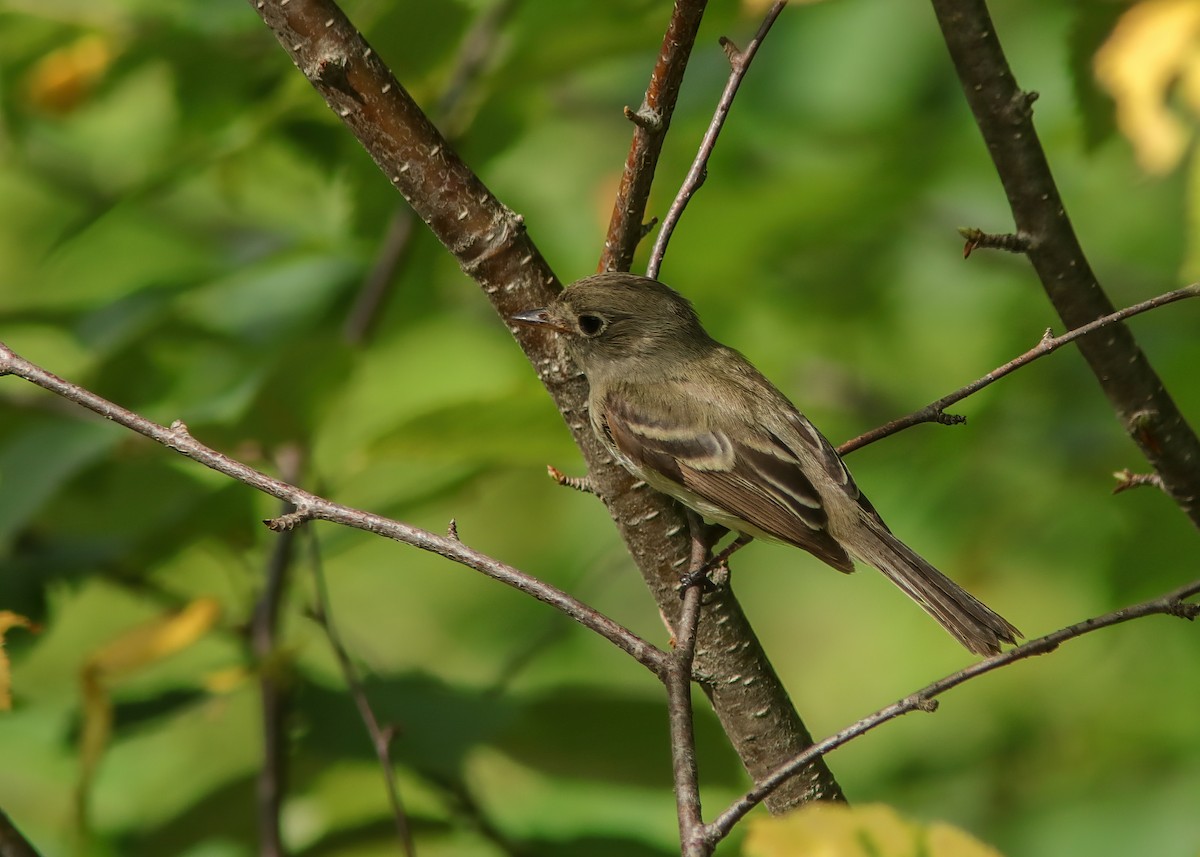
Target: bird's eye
(590,325)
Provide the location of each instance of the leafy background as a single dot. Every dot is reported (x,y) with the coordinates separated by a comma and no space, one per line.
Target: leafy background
(186,229)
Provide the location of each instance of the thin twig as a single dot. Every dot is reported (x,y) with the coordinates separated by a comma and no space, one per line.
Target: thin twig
(977,239)
(381,738)
(1171,604)
(578,483)
(272,778)
(377,285)
(678,682)
(935,411)
(739,63)
(1127,479)
(312,507)
(464,803)
(651,121)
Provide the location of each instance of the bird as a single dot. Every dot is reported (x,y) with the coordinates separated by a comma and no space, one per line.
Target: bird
(695,420)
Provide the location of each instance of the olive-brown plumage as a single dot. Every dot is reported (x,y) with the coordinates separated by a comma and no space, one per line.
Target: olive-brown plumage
(696,421)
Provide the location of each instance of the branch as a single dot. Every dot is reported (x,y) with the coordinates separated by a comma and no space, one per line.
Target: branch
(651,121)
(1003,113)
(12,843)
(677,679)
(936,411)
(1127,479)
(272,685)
(377,285)
(478,46)
(977,239)
(739,64)
(311,507)
(1171,604)
(490,243)
(381,739)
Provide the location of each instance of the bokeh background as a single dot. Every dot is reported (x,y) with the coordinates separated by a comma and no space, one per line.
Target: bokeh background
(186,228)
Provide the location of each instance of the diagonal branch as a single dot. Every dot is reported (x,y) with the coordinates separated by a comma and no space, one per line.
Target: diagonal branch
(677,679)
(1004,115)
(311,507)
(381,737)
(739,64)
(478,46)
(273,685)
(12,843)
(936,411)
(490,243)
(1171,604)
(650,122)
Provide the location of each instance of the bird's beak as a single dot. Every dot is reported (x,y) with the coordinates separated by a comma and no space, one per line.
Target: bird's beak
(538,318)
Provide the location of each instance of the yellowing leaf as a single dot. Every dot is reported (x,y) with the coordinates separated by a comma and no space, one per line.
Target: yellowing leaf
(63,78)
(870,830)
(138,647)
(8,620)
(1154,47)
(226,680)
(759,7)
(154,640)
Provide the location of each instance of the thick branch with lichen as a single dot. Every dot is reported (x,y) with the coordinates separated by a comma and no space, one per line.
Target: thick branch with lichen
(491,245)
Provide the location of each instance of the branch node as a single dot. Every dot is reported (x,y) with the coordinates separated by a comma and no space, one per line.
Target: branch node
(1020,109)
(944,419)
(924,703)
(978,239)
(648,227)
(332,70)
(452,530)
(290,521)
(1185,610)
(579,483)
(732,52)
(645,118)
(1127,479)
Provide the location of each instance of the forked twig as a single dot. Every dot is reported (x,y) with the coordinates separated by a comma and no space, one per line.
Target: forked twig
(739,64)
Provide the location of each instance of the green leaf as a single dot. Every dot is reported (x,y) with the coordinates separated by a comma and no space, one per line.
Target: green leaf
(40,460)
(518,429)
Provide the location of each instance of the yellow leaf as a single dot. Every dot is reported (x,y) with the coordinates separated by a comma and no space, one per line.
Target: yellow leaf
(8,620)
(870,830)
(63,78)
(154,640)
(138,647)
(226,680)
(759,7)
(1154,48)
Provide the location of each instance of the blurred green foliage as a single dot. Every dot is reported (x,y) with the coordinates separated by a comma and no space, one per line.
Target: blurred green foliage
(186,227)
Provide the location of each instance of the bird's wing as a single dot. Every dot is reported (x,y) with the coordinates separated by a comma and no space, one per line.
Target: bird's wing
(756,478)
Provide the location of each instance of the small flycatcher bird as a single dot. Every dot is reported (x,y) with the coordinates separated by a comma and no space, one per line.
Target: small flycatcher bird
(696,421)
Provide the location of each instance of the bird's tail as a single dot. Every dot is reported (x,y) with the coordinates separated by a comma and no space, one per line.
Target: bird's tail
(972,623)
